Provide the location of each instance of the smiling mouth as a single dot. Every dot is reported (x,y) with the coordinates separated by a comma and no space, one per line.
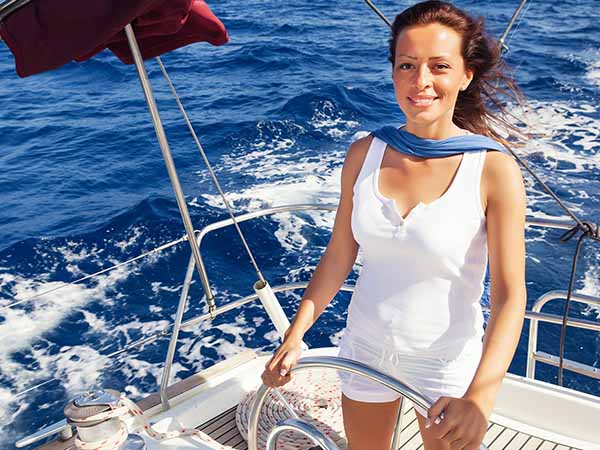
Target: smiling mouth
(422,102)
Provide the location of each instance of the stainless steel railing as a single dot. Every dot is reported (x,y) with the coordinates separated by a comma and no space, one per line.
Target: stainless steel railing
(548,223)
(206,282)
(535,315)
(534,355)
(337,363)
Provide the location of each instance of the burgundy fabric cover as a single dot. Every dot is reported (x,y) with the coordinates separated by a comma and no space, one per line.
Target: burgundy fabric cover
(201,25)
(46,34)
(158,21)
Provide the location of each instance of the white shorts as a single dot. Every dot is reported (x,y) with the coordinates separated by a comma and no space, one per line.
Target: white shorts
(431,376)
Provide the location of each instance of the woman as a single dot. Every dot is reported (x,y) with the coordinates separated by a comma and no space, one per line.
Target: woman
(430,205)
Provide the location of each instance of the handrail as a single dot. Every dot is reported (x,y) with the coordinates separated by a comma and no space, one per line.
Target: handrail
(206,282)
(532,315)
(532,354)
(61,427)
(233,220)
(548,223)
(538,316)
(543,317)
(346,365)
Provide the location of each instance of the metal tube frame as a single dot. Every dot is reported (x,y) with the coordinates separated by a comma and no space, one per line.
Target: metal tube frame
(346,365)
(166,153)
(502,39)
(302,427)
(533,355)
(181,203)
(10,6)
(164,383)
(548,223)
(534,316)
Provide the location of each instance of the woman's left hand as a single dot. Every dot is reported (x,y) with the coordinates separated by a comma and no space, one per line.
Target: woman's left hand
(464,422)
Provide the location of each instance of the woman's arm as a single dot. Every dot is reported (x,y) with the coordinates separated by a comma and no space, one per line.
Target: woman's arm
(508,295)
(328,277)
(505,217)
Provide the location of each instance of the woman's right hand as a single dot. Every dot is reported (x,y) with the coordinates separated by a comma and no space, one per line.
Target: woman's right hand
(278,370)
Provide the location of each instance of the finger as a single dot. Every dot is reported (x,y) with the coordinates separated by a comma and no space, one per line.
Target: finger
(456,434)
(280,381)
(269,380)
(444,429)
(287,362)
(284,380)
(437,408)
(265,379)
(457,445)
(272,363)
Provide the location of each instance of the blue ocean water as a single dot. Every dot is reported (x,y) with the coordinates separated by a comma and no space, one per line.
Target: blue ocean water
(83,186)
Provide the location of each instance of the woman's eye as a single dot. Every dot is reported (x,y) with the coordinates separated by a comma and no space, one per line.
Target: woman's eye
(405,66)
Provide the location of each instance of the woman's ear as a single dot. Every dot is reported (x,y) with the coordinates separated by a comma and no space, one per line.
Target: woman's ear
(467,79)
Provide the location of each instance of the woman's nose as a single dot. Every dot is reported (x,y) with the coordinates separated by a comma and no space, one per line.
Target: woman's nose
(423,77)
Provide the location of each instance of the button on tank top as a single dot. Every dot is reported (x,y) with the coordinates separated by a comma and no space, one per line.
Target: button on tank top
(423,275)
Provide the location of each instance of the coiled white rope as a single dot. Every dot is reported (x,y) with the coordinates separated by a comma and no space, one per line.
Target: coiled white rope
(127,407)
(314,394)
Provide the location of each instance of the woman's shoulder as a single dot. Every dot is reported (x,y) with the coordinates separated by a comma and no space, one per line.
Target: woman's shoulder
(501,173)
(500,164)
(357,152)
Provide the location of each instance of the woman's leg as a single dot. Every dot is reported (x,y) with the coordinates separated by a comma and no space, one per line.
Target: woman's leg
(369,426)
(430,442)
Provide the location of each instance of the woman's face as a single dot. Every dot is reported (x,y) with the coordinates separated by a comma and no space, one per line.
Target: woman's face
(428,73)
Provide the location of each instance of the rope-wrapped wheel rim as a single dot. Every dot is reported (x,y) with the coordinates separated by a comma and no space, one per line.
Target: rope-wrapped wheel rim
(314,394)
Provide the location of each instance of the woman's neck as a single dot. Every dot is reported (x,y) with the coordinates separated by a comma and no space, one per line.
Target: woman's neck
(435,131)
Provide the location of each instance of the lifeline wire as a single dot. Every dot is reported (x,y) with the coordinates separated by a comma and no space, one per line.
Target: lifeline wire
(210,170)
(100,272)
(592,232)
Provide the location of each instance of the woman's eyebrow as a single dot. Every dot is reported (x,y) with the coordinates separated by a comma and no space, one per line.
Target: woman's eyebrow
(433,57)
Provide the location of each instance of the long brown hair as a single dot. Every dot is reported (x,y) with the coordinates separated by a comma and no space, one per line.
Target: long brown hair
(481,54)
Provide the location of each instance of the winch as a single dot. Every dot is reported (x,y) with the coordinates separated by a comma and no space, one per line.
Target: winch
(92,413)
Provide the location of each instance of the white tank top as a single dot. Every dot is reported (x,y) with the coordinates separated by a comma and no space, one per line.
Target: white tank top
(422,277)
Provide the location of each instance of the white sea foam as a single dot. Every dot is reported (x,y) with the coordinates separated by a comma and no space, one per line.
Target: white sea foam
(565,132)
(132,238)
(327,119)
(157,287)
(592,59)
(308,180)
(591,286)
(23,326)
(73,253)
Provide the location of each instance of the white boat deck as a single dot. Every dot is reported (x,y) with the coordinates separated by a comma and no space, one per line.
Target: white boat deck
(224,430)
(564,420)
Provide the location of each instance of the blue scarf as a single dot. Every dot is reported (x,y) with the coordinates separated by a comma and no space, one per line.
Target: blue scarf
(405,142)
